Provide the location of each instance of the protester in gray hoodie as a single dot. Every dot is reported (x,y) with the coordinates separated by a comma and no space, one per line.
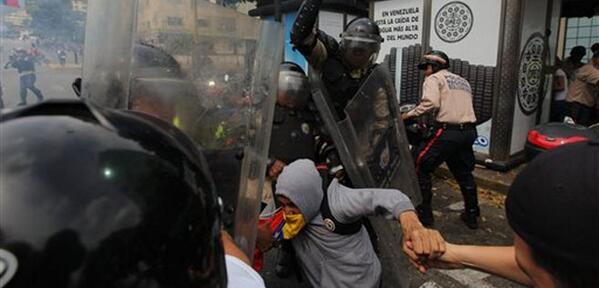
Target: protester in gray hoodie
(328,259)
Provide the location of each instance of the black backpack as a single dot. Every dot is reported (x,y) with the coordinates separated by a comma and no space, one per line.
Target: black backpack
(338,227)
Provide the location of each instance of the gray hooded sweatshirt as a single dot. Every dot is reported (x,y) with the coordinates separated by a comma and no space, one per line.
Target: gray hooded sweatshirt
(333,260)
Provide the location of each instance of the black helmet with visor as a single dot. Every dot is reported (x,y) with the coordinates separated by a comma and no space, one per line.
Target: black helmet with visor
(294,87)
(361,43)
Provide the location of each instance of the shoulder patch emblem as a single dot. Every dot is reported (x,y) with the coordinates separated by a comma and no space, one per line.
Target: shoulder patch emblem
(306,128)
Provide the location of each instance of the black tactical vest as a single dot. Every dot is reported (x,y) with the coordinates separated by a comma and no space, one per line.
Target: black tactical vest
(340,85)
(293,134)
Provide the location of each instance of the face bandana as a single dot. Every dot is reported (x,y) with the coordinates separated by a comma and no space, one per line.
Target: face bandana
(293,225)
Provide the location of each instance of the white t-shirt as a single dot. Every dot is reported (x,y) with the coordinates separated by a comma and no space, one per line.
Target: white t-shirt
(561,95)
(240,275)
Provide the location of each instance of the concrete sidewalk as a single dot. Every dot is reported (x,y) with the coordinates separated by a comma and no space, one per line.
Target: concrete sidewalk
(487,179)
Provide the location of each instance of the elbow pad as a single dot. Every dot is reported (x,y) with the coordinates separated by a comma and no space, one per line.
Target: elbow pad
(303,26)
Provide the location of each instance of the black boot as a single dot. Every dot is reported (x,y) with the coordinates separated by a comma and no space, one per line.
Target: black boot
(471,211)
(425,215)
(425,210)
(470,219)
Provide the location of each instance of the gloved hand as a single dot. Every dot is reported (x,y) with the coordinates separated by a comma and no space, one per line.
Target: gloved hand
(303,27)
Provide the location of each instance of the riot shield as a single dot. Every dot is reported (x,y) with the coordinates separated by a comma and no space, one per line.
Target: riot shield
(41,46)
(212,72)
(370,136)
(107,50)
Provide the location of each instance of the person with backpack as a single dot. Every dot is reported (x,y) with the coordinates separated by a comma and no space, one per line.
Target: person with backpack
(324,224)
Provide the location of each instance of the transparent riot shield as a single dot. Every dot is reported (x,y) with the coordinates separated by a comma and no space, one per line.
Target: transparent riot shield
(370,136)
(107,55)
(41,46)
(212,72)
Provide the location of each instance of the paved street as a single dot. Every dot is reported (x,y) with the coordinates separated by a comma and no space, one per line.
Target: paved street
(447,201)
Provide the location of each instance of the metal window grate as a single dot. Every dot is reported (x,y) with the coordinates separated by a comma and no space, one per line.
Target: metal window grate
(581,31)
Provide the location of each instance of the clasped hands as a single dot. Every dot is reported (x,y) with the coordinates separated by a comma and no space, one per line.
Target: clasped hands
(425,247)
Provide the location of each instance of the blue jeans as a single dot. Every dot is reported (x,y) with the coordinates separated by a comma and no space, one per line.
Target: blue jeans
(27,81)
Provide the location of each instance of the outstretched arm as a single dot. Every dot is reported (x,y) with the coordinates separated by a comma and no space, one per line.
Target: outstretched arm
(313,44)
(303,34)
(498,260)
(349,205)
(431,99)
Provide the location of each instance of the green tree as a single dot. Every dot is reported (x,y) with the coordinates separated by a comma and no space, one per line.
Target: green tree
(56,19)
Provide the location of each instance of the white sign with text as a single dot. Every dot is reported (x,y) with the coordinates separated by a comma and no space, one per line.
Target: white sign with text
(400,22)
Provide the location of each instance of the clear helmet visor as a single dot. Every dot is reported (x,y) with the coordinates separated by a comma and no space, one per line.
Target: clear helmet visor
(360,51)
(293,90)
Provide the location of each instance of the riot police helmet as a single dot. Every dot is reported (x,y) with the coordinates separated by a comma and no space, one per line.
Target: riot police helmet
(294,86)
(438,59)
(361,43)
(94,197)
(158,84)
(152,62)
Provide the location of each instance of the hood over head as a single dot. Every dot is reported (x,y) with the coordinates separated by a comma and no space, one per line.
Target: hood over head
(301,183)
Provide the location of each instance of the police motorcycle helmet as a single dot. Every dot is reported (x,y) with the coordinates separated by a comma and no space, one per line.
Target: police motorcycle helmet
(361,43)
(294,87)
(94,197)
(437,59)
